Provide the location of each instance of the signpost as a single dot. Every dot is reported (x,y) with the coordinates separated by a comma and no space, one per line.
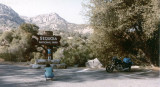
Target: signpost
(47,41)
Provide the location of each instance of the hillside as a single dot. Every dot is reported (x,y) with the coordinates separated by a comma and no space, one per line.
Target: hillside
(9,19)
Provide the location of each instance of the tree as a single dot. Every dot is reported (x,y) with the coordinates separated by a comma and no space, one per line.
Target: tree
(18,42)
(123,27)
(76,53)
(30,28)
(27,30)
(7,36)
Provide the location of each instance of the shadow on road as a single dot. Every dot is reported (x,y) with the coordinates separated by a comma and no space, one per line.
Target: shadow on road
(102,74)
(21,76)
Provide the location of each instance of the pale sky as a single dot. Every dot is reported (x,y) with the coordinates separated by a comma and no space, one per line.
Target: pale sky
(70,10)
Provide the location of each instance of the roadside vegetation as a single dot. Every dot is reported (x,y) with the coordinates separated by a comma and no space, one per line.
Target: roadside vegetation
(125,28)
(16,44)
(121,28)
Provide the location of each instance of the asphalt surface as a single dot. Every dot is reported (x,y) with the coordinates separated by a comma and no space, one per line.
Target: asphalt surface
(24,76)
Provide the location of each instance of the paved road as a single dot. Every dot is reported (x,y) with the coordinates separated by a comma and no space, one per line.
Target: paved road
(23,76)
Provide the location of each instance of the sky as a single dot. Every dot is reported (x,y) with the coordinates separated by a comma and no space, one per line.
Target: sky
(70,10)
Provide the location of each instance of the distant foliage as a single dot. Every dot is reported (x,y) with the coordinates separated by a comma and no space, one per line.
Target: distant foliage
(30,28)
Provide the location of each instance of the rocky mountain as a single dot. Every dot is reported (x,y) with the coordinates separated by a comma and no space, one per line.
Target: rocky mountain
(53,21)
(9,18)
(80,28)
(48,22)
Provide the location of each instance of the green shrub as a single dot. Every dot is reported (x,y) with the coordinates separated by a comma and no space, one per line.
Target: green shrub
(8,57)
(77,52)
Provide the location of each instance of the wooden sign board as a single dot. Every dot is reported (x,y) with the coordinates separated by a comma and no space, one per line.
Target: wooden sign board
(49,40)
(46,40)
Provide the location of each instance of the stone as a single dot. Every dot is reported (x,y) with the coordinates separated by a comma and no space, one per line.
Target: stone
(61,66)
(95,63)
(35,66)
(56,61)
(41,61)
(54,66)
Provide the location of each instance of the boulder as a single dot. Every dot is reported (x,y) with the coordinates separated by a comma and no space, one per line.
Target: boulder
(54,66)
(61,66)
(56,61)
(95,63)
(35,66)
(41,61)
